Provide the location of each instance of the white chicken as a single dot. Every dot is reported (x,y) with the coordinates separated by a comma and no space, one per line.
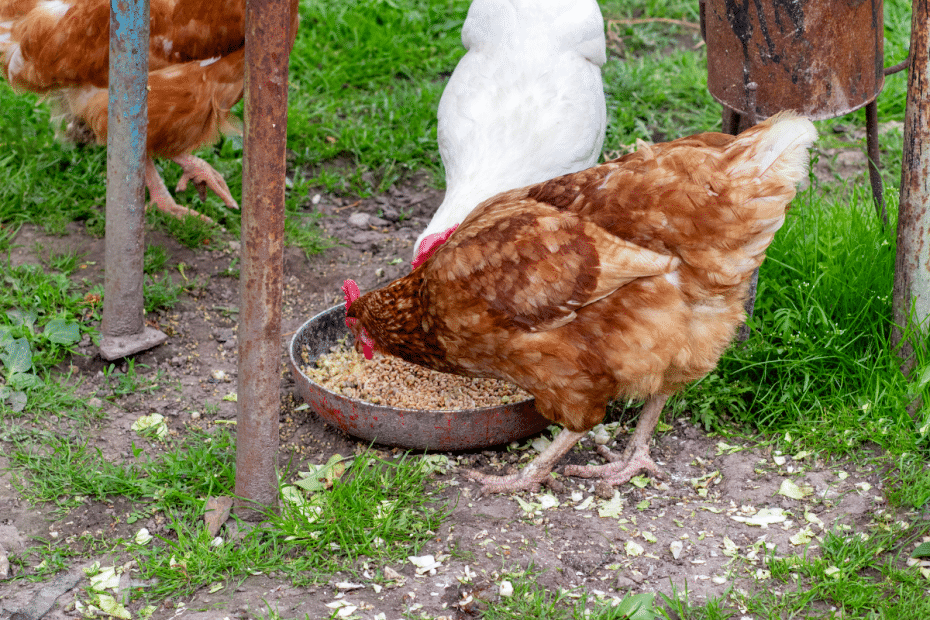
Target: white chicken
(525,104)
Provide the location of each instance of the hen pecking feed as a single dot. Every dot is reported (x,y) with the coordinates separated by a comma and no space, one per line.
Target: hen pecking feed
(623,280)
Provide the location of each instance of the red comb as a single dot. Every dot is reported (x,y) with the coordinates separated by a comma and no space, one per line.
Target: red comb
(429,245)
(350,288)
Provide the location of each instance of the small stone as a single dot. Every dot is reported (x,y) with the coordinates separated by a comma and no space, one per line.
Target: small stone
(4,564)
(223,334)
(216,512)
(367,240)
(359,220)
(625,583)
(506,589)
(604,489)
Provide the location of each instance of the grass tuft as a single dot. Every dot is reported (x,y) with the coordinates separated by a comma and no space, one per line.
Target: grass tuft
(819,361)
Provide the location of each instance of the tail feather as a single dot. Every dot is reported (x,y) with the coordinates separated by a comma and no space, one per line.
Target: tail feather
(781,151)
(766,162)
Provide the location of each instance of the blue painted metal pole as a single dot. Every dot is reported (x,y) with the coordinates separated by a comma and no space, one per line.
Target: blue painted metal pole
(267,45)
(123,328)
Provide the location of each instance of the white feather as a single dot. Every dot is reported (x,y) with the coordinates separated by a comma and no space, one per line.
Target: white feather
(56,8)
(14,60)
(785,143)
(524,105)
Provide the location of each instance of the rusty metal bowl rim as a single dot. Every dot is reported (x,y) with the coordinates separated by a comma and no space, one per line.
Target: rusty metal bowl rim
(428,429)
(294,363)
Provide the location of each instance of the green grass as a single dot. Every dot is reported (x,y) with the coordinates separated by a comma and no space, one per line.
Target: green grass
(677,606)
(366,77)
(161,292)
(379,510)
(529,599)
(857,575)
(42,317)
(910,482)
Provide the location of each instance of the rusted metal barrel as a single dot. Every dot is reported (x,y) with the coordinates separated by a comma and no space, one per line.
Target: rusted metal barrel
(821,59)
(261,281)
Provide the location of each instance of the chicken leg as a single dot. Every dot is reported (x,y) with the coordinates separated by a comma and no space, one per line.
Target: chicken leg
(203,175)
(535,473)
(162,199)
(635,457)
(195,169)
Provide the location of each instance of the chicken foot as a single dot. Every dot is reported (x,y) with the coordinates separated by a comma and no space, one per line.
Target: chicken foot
(535,473)
(635,458)
(203,175)
(162,199)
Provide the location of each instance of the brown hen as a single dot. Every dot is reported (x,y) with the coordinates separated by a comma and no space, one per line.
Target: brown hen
(60,49)
(623,280)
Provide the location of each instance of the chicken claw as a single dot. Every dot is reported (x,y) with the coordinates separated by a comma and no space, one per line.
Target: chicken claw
(636,458)
(619,470)
(506,484)
(535,473)
(203,175)
(162,199)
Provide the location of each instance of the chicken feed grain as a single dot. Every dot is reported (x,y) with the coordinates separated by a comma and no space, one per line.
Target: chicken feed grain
(392,382)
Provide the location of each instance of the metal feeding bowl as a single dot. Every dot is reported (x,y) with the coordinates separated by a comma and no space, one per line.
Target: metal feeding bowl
(459,429)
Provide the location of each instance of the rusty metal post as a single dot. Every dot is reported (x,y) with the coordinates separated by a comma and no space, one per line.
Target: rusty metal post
(261,277)
(124,331)
(875,162)
(912,266)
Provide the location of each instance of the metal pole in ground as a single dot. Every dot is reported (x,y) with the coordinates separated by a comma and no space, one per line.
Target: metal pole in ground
(261,275)
(911,294)
(123,327)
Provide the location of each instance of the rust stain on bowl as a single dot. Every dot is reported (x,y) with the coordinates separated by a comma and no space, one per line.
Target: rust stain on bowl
(459,429)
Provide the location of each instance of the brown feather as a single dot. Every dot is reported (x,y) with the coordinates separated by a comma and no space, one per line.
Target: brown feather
(626,279)
(196,63)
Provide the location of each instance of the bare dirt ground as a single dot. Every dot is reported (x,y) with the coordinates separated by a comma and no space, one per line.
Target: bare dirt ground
(707,527)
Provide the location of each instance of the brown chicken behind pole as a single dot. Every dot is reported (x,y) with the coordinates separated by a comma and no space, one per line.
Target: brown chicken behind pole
(196,70)
(626,279)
